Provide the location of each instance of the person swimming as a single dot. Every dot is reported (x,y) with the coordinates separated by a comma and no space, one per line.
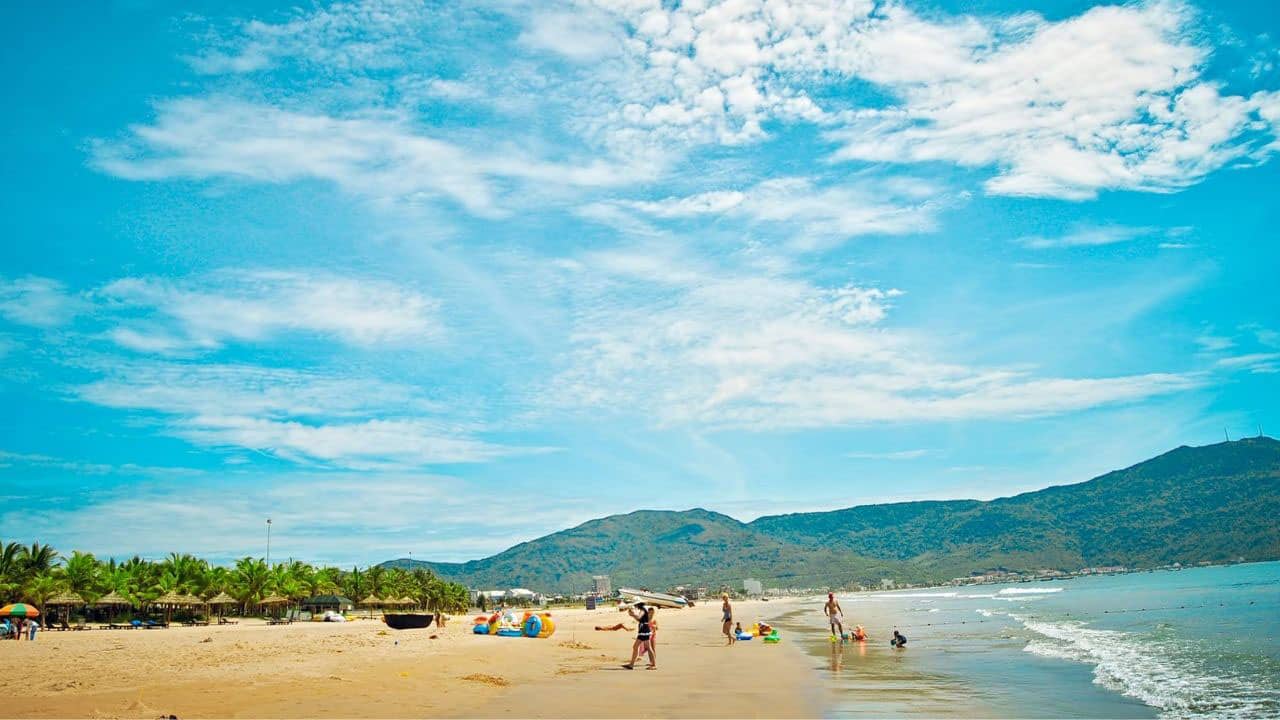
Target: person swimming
(859,634)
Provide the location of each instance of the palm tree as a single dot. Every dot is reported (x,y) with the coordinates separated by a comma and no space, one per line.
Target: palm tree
(37,559)
(376,580)
(11,570)
(354,584)
(82,574)
(251,580)
(40,588)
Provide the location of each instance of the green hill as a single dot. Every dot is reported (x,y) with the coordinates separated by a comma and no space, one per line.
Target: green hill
(1218,502)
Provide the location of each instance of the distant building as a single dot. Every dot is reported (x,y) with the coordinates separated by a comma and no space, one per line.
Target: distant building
(886,583)
(752,587)
(600,586)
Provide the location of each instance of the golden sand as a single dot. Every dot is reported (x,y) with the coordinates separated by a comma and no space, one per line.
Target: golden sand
(362,669)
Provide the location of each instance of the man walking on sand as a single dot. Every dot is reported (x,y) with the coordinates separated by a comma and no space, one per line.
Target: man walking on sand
(835,616)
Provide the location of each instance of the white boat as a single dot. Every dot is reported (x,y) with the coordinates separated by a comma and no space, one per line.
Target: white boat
(655,598)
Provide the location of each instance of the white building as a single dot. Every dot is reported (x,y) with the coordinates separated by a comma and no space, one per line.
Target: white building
(600,586)
(753,587)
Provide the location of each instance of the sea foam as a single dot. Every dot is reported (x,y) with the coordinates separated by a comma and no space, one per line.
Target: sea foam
(1161,675)
(1036,590)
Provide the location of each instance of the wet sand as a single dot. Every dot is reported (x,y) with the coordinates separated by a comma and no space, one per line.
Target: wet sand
(363,669)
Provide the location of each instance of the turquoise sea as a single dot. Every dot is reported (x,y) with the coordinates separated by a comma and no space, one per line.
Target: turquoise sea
(1194,643)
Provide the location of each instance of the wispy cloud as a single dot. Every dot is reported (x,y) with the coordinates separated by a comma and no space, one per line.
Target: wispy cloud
(1086,237)
(347,518)
(206,312)
(37,301)
(1262,363)
(758,350)
(892,455)
(813,214)
(308,418)
(381,157)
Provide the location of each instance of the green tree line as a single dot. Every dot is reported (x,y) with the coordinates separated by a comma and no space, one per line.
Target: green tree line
(35,573)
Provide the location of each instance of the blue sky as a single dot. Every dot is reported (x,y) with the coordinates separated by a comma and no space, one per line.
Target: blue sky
(435,279)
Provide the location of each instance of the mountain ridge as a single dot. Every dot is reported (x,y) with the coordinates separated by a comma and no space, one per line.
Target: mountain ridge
(1210,502)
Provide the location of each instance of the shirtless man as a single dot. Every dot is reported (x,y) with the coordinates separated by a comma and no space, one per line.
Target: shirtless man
(835,616)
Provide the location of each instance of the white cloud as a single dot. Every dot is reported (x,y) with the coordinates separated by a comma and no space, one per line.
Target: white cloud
(1111,99)
(309,418)
(37,301)
(895,455)
(380,157)
(1259,363)
(320,518)
(1086,237)
(758,350)
(813,214)
(371,444)
(255,306)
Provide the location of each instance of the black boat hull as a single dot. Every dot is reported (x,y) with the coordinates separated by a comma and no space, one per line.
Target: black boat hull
(408,621)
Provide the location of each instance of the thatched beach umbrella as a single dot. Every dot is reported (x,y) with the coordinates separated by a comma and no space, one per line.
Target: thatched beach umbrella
(67,600)
(371,602)
(220,601)
(112,599)
(172,600)
(274,599)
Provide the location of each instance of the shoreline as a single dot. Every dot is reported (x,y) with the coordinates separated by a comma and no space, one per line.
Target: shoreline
(364,669)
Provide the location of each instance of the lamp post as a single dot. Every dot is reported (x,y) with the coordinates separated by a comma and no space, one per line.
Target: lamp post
(268,542)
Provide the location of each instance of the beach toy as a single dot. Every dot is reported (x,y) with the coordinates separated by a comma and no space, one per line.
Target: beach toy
(532,626)
(763,629)
(548,626)
(772,638)
(509,632)
(480,620)
(744,636)
(755,628)
(480,630)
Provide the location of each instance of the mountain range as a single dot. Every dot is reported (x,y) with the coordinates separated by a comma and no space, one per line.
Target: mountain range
(1212,503)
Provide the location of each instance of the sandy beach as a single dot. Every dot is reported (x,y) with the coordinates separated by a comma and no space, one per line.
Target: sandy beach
(364,669)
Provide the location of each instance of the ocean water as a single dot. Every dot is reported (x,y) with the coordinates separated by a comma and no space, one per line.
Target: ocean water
(1195,643)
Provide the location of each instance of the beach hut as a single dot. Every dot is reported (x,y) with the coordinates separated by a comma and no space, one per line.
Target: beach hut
(274,600)
(112,599)
(220,601)
(66,601)
(172,600)
(371,602)
(319,604)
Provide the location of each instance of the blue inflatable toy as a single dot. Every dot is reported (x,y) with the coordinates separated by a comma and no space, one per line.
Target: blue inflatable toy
(480,629)
(532,626)
(509,632)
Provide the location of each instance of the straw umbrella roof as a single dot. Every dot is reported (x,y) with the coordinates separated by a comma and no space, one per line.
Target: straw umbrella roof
(373,600)
(273,599)
(222,599)
(65,598)
(113,598)
(193,599)
(175,599)
(406,601)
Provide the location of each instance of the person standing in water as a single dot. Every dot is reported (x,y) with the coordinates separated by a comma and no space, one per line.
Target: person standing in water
(835,616)
(899,640)
(726,617)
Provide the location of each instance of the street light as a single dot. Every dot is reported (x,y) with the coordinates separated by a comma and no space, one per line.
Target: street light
(268,542)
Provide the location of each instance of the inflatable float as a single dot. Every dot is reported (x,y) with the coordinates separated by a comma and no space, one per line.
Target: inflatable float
(514,624)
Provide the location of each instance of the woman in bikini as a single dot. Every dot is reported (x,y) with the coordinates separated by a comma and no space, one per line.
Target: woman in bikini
(644,636)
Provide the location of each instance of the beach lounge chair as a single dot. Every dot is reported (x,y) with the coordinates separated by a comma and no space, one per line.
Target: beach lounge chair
(134,624)
(224,621)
